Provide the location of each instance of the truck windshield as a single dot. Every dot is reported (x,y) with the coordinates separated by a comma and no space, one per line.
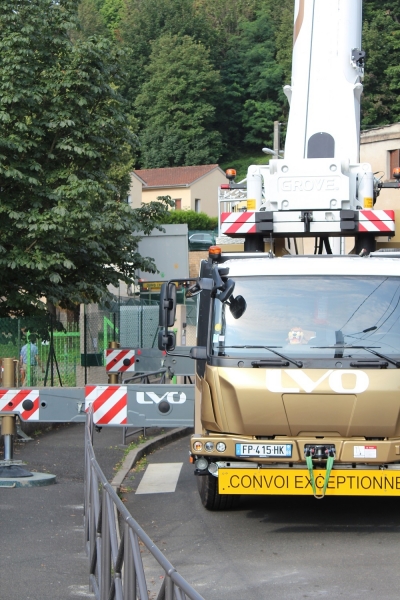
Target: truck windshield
(304,315)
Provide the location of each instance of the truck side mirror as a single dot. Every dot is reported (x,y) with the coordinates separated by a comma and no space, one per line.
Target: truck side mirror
(237,306)
(167,305)
(166,342)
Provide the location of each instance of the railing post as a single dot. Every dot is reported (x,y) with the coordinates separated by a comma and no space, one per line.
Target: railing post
(169,588)
(85,340)
(129,567)
(105,550)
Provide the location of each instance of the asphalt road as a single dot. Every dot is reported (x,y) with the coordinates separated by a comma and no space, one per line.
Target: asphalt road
(42,553)
(271,547)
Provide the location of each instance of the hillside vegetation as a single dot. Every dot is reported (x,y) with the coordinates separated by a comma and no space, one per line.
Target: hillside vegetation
(203,78)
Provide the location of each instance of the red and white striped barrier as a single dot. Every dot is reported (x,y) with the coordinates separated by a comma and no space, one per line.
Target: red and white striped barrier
(120,360)
(238,222)
(376,220)
(110,403)
(12,401)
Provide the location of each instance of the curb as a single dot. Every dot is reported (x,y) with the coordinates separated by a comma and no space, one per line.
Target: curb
(137,453)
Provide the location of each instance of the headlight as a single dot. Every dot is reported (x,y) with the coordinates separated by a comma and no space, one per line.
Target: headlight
(209,446)
(201,464)
(213,469)
(221,447)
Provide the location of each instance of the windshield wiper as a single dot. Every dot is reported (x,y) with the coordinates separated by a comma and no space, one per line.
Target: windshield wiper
(298,363)
(396,363)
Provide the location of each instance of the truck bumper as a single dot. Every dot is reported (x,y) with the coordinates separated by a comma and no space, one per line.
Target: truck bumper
(297,482)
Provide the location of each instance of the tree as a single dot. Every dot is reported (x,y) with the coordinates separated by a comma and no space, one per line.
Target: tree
(145,21)
(380,35)
(255,78)
(177,105)
(65,231)
(90,19)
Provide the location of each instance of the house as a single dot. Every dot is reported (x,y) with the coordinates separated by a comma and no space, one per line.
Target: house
(191,188)
(380,147)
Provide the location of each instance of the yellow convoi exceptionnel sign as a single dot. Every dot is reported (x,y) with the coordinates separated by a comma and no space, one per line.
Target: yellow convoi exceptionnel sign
(342,482)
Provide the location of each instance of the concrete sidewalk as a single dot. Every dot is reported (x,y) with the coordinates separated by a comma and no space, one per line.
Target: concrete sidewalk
(42,552)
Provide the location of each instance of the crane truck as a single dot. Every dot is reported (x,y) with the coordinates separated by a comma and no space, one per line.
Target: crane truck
(298,356)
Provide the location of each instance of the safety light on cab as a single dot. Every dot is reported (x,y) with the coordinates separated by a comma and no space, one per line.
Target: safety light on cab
(230,174)
(214,252)
(396,173)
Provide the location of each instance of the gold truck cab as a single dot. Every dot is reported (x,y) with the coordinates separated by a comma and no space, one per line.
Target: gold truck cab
(298,391)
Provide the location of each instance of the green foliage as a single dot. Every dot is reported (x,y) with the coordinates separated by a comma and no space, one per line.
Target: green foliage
(145,21)
(194,220)
(379,103)
(249,45)
(112,12)
(65,144)
(90,19)
(176,105)
(283,40)
(242,161)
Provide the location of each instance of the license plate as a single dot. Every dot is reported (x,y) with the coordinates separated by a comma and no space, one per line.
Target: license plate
(296,482)
(264,450)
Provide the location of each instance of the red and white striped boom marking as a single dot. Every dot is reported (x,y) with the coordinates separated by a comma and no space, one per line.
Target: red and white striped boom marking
(11,402)
(109,402)
(120,360)
(373,221)
(238,222)
(376,220)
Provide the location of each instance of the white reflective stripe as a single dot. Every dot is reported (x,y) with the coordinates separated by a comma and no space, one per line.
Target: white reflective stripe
(160,478)
(34,416)
(288,227)
(325,226)
(11,394)
(237,227)
(119,418)
(120,366)
(370,226)
(235,216)
(111,355)
(94,394)
(376,215)
(245,227)
(285,216)
(104,408)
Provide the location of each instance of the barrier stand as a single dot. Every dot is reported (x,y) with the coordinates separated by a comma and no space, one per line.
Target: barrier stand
(113,377)
(12,473)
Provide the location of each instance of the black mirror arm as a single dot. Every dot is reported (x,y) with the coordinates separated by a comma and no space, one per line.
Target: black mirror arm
(219,284)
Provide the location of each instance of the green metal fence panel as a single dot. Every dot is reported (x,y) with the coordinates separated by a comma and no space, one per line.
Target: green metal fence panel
(58,352)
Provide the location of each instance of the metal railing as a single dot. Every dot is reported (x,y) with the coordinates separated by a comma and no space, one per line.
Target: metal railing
(116,565)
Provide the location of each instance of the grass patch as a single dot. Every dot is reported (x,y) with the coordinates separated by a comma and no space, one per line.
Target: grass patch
(132,446)
(140,465)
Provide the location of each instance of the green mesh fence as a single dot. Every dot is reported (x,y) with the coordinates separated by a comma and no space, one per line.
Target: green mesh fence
(47,349)
(57,352)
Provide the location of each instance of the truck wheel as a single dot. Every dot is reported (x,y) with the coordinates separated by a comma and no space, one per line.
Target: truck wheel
(211,499)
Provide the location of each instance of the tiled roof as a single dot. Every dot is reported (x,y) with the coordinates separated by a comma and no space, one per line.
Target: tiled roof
(173,175)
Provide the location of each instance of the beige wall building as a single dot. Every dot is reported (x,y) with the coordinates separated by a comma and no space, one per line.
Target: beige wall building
(380,147)
(192,188)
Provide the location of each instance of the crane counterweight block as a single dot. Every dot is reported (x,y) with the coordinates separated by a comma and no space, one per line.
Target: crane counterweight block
(138,405)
